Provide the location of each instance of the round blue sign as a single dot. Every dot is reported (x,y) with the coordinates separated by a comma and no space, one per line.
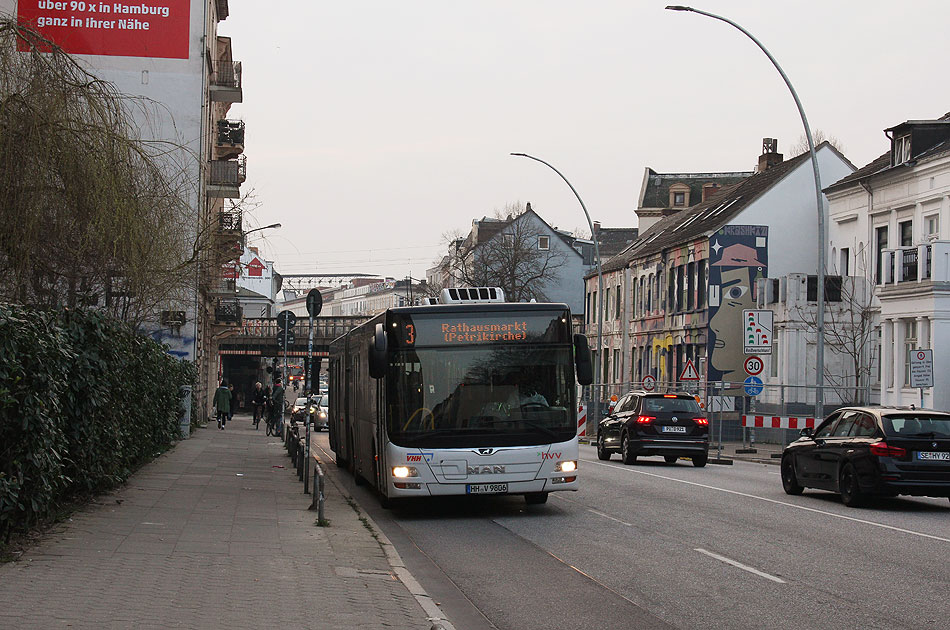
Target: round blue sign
(753,386)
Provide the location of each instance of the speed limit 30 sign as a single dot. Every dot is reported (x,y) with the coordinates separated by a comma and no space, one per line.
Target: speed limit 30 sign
(754,366)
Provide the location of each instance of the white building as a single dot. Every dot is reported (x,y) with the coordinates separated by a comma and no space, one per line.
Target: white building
(890,222)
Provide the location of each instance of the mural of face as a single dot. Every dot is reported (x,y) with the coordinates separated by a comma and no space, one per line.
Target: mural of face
(735,292)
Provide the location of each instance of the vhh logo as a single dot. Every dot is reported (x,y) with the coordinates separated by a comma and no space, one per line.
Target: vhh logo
(413,458)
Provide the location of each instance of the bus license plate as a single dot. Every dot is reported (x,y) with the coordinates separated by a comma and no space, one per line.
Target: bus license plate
(674,429)
(486,488)
(934,456)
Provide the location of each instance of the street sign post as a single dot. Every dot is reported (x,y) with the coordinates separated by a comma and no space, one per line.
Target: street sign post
(753,366)
(756,332)
(314,306)
(921,370)
(689,372)
(285,337)
(753,386)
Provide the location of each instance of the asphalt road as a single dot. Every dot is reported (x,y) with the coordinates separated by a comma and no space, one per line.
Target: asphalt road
(656,545)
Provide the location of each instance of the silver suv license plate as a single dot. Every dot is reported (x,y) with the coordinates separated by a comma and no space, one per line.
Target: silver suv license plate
(486,488)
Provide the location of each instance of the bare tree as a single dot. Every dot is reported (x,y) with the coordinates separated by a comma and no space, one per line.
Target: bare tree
(512,258)
(849,332)
(92,214)
(801,146)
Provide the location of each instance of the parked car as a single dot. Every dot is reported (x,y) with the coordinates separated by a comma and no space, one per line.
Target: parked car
(645,423)
(860,452)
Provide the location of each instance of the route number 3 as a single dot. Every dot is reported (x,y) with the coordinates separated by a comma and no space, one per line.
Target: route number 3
(410,334)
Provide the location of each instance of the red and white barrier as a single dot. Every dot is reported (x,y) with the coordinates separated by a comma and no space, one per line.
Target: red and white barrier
(582,420)
(778,422)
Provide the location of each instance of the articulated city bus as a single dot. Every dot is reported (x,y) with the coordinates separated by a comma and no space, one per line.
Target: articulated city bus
(460,398)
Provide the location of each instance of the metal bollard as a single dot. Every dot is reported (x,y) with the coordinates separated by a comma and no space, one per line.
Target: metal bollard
(318,491)
(300,457)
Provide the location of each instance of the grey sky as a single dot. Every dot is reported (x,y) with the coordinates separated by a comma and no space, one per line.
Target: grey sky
(376,126)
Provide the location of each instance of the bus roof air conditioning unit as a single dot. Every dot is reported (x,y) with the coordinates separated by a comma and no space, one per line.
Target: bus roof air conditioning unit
(471,295)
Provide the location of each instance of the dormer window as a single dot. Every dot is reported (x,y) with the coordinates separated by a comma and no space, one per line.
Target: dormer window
(544,242)
(901,149)
(679,195)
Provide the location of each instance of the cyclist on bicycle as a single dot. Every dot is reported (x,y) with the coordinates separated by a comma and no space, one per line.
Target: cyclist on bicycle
(259,400)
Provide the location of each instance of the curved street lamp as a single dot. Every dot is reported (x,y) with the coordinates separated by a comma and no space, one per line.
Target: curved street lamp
(820,346)
(266,227)
(600,280)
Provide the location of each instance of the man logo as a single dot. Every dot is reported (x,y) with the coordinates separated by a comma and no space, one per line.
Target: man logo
(486,451)
(485,470)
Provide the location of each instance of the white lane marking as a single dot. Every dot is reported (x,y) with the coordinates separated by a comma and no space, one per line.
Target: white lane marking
(791,505)
(739,565)
(610,517)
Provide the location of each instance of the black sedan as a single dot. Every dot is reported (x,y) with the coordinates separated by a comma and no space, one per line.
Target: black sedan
(861,452)
(643,423)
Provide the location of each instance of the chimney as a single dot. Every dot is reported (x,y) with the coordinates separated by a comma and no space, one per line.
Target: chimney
(710,190)
(596,226)
(770,155)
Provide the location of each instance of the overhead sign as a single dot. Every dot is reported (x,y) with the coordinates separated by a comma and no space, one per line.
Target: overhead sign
(132,28)
(757,332)
(689,372)
(649,383)
(754,366)
(753,386)
(921,368)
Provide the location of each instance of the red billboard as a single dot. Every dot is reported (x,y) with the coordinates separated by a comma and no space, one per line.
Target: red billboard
(131,28)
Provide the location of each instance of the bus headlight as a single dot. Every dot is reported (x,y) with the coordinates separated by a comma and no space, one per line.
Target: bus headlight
(568,466)
(402,472)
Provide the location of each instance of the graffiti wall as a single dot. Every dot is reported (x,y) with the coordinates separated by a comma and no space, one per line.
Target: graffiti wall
(738,256)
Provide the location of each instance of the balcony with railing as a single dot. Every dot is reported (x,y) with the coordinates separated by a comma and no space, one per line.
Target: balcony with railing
(225,82)
(226,176)
(229,139)
(223,10)
(922,264)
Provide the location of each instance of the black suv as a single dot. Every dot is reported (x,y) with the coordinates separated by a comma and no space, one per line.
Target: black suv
(643,423)
(864,451)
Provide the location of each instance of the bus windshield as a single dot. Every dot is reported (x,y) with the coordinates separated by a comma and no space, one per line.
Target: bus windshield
(480,396)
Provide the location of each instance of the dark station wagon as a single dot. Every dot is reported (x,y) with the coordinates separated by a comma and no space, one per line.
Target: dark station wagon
(860,452)
(645,423)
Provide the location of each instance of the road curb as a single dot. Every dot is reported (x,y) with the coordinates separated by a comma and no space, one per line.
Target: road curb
(434,614)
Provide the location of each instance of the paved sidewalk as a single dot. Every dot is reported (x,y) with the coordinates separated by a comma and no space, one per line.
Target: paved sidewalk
(214,534)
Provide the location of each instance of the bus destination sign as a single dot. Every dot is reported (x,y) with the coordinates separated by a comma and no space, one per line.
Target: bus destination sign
(465,332)
(480,328)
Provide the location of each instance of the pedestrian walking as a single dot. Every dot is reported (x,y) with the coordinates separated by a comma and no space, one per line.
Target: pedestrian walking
(277,401)
(222,403)
(259,400)
(234,404)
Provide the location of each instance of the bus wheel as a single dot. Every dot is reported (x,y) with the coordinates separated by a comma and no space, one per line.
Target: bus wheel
(536,498)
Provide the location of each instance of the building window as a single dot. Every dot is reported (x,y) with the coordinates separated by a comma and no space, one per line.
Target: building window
(606,303)
(876,355)
(679,195)
(617,302)
(773,360)
(910,344)
(880,242)
(933,225)
(617,376)
(845,261)
(587,308)
(544,242)
(679,199)
(680,285)
(690,285)
(901,149)
(907,233)
(701,285)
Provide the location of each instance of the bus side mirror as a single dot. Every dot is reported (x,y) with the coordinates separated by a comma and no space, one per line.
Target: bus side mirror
(585,371)
(378,346)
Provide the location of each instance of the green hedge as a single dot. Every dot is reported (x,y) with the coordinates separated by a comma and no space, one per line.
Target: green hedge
(84,401)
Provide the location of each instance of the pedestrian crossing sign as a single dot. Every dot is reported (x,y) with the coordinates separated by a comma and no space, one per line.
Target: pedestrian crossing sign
(689,372)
